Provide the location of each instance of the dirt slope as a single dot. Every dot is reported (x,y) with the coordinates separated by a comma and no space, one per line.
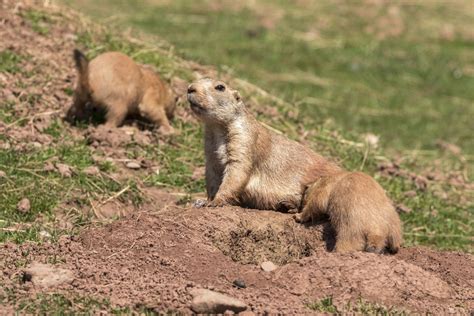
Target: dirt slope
(154,256)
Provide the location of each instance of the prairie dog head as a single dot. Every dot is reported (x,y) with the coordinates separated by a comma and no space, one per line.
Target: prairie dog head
(214,101)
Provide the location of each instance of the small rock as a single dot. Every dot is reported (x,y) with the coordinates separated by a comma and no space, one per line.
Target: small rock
(64,170)
(3,174)
(239,283)
(91,171)
(420,182)
(44,234)
(24,205)
(268,266)
(371,139)
(133,165)
(48,166)
(199,203)
(411,193)
(402,208)
(46,275)
(207,301)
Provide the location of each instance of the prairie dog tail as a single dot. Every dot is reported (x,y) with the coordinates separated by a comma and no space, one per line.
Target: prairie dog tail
(82,65)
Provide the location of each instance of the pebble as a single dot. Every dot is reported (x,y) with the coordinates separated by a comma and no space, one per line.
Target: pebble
(91,171)
(3,174)
(24,205)
(268,266)
(64,170)
(210,302)
(44,234)
(402,208)
(48,166)
(199,203)
(239,283)
(133,165)
(411,193)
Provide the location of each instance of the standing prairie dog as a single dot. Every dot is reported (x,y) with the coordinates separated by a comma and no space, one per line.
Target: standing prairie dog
(114,82)
(247,164)
(250,166)
(358,209)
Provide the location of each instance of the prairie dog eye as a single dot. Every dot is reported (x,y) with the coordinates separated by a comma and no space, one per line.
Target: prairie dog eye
(220,87)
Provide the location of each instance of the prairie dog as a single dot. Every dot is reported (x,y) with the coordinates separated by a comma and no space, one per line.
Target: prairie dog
(358,209)
(246,163)
(115,83)
(250,166)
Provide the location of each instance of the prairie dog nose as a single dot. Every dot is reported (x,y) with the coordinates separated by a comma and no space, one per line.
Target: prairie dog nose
(191,89)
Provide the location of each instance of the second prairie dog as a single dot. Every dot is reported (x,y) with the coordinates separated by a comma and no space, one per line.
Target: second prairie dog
(114,82)
(250,166)
(358,209)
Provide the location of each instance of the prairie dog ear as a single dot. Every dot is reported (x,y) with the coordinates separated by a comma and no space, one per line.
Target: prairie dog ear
(236,95)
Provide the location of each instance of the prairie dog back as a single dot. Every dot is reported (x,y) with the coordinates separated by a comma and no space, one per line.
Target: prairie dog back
(359,210)
(114,82)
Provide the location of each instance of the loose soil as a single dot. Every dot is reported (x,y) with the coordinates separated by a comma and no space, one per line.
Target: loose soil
(154,256)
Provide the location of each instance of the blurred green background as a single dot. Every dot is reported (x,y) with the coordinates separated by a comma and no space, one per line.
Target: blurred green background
(402,70)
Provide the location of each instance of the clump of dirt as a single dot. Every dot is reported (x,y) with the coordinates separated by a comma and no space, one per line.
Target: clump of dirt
(278,239)
(156,256)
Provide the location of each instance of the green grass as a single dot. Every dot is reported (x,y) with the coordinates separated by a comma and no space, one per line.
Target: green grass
(10,61)
(60,304)
(324,305)
(38,20)
(411,89)
(361,307)
(49,192)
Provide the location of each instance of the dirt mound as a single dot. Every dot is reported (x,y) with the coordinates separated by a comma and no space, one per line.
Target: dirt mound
(156,257)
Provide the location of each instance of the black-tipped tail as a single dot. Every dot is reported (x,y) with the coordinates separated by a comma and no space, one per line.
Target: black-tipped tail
(81,61)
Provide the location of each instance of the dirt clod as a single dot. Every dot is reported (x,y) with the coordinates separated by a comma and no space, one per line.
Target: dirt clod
(402,208)
(207,301)
(133,165)
(91,171)
(239,283)
(46,275)
(24,205)
(268,266)
(64,170)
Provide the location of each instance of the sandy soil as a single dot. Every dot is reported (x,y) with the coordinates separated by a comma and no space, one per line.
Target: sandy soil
(154,257)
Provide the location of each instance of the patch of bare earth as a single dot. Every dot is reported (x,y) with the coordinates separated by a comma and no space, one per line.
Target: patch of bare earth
(157,256)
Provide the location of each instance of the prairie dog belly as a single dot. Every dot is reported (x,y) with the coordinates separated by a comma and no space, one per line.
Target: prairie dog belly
(263,192)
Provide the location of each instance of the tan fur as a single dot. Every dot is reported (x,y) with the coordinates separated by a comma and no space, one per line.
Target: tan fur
(247,164)
(359,210)
(114,82)
(251,166)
